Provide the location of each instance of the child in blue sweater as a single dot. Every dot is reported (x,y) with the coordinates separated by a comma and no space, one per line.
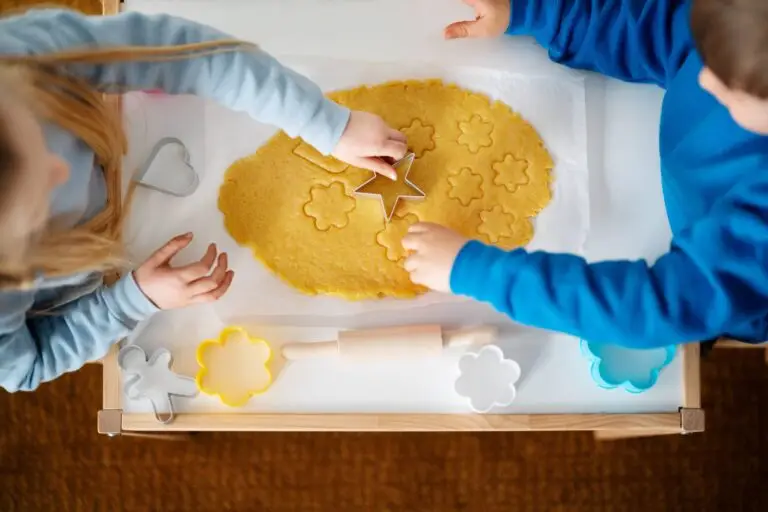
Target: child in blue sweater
(711,56)
(56,235)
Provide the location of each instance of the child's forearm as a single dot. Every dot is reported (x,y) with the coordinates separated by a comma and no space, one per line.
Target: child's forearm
(633,40)
(246,80)
(43,347)
(713,278)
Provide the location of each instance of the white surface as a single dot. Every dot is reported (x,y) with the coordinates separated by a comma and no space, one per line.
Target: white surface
(627,216)
(553,104)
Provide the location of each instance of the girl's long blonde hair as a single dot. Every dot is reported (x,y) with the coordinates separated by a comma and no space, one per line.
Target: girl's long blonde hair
(81,108)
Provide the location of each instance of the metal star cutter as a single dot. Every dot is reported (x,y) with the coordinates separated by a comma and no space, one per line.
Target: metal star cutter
(388,192)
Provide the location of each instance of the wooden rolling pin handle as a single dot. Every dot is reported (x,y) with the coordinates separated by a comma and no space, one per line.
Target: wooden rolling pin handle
(480,335)
(298,351)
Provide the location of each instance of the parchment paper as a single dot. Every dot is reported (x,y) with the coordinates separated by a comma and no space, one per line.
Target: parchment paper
(554,105)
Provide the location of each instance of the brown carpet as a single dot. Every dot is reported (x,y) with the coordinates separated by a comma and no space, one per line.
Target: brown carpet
(51,459)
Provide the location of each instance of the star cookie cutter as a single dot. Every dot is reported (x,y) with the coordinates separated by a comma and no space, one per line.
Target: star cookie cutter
(403,168)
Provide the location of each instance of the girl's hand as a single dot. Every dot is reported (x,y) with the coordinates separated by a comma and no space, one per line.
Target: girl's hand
(433,250)
(176,287)
(492,19)
(367,141)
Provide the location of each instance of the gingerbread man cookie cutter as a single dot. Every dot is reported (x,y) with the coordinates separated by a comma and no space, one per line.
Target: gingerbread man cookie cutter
(152,379)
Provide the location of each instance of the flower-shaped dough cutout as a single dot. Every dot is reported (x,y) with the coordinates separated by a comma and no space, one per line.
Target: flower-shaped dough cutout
(511,173)
(391,237)
(466,186)
(234,367)
(421,137)
(475,134)
(496,224)
(329,206)
(634,370)
(487,379)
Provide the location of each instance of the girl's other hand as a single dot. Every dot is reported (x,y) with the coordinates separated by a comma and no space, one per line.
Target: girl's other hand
(367,141)
(433,249)
(492,19)
(171,287)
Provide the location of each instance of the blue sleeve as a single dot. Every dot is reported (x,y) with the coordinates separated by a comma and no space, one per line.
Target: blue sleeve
(714,277)
(632,40)
(39,348)
(246,80)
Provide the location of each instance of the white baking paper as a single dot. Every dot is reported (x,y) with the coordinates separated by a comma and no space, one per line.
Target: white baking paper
(554,105)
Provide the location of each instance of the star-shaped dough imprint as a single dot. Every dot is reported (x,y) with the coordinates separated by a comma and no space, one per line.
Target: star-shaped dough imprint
(465,186)
(329,206)
(496,224)
(389,192)
(391,237)
(475,134)
(421,137)
(511,173)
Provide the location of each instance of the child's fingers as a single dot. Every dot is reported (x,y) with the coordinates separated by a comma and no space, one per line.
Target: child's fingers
(164,254)
(461,30)
(395,149)
(206,284)
(412,263)
(420,227)
(412,242)
(378,166)
(218,292)
(397,135)
(199,268)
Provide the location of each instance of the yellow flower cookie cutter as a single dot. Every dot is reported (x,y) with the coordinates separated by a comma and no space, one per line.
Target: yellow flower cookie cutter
(234,378)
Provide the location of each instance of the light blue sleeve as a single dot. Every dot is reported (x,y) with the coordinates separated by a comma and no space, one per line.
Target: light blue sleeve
(245,80)
(39,348)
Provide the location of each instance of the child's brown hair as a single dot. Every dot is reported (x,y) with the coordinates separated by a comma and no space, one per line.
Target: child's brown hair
(732,38)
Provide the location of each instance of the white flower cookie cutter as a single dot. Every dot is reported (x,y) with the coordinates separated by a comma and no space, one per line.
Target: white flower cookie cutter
(152,379)
(487,379)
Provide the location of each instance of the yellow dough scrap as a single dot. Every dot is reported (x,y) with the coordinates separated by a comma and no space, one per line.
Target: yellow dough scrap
(483,168)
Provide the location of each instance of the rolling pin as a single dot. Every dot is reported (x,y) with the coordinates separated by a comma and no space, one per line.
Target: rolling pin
(392,342)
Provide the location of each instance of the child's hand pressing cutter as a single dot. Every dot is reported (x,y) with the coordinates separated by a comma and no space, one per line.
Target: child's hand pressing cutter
(433,250)
(367,141)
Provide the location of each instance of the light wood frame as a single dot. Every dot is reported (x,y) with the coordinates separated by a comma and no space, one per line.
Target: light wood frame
(113,421)
(690,418)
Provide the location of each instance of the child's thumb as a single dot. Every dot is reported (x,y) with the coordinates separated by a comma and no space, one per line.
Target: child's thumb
(463,29)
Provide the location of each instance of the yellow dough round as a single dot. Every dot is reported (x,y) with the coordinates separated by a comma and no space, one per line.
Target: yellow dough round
(484,170)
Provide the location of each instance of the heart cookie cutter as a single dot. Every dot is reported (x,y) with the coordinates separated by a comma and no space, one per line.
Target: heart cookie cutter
(185,158)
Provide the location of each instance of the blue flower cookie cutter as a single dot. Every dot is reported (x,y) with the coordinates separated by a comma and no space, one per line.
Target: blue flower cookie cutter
(634,370)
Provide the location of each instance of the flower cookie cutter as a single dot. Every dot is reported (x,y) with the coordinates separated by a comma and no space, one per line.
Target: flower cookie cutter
(234,367)
(185,159)
(487,379)
(403,168)
(152,379)
(636,371)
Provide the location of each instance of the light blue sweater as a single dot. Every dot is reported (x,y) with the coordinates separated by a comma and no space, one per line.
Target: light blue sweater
(91,317)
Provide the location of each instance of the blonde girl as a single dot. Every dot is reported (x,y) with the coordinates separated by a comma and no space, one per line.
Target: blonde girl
(60,150)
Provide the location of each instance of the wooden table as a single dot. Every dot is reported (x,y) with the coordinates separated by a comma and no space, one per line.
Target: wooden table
(634,191)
